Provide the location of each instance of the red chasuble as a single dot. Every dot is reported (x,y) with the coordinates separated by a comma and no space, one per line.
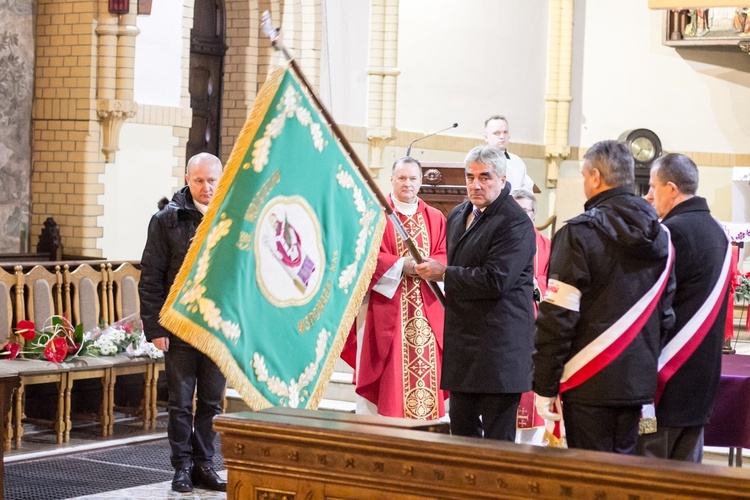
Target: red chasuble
(402,349)
(527,416)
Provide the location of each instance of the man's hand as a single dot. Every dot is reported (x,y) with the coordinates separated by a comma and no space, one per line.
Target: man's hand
(161,343)
(431,270)
(410,266)
(545,407)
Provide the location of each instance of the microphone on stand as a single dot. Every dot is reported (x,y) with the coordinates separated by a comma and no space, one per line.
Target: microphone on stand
(408,150)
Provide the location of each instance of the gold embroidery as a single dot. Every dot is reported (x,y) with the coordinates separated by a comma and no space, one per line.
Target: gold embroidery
(418,346)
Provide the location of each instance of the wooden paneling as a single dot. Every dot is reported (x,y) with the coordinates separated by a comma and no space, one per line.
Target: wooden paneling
(273,455)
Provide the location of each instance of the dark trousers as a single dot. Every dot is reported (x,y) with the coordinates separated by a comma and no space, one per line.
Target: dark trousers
(191,437)
(677,443)
(602,428)
(492,416)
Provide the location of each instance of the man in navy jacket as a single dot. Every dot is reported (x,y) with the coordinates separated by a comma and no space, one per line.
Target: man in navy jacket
(489,310)
(690,362)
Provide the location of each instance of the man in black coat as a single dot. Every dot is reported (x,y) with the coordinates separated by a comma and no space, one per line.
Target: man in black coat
(191,435)
(489,310)
(690,363)
(608,300)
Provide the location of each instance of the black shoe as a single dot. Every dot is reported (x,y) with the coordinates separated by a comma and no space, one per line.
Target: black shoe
(182,481)
(206,477)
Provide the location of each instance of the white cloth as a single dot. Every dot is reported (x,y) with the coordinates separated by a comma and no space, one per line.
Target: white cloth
(515,173)
(388,283)
(201,207)
(405,208)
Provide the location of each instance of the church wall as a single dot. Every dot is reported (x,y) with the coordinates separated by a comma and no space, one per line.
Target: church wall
(343,75)
(140,176)
(16,91)
(463,63)
(692,99)
(456,64)
(159,48)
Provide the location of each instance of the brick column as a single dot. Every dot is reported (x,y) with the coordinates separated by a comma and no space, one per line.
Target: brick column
(66,154)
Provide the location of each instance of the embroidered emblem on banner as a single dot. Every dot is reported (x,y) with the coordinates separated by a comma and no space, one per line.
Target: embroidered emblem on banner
(289,249)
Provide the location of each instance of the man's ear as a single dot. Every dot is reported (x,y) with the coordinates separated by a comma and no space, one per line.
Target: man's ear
(597,177)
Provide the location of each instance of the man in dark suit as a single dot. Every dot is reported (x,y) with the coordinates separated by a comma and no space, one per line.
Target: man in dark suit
(690,362)
(489,310)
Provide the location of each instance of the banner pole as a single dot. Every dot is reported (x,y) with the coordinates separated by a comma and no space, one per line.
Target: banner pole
(274,34)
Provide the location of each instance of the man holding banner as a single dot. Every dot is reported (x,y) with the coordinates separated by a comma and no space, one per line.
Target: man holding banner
(191,436)
(608,300)
(489,312)
(690,362)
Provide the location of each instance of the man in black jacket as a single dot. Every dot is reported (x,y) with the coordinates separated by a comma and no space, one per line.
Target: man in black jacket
(489,310)
(191,437)
(608,300)
(690,363)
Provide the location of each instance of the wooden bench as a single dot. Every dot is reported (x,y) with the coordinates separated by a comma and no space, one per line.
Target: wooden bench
(293,454)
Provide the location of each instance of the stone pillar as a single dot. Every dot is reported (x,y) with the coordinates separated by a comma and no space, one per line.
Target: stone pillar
(558,97)
(383,71)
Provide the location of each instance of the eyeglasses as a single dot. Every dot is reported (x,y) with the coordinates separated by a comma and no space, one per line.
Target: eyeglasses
(529,210)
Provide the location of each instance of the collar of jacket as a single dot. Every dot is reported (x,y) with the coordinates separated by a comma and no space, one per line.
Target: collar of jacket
(694,204)
(494,206)
(183,200)
(606,195)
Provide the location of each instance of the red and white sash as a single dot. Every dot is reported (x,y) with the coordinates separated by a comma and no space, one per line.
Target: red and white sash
(614,340)
(687,340)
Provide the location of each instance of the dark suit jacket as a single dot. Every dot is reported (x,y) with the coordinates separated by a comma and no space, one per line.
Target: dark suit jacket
(700,246)
(489,313)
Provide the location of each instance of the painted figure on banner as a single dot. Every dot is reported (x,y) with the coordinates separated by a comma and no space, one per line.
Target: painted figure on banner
(287,247)
(690,361)
(497,134)
(397,354)
(489,311)
(607,309)
(190,428)
(530,425)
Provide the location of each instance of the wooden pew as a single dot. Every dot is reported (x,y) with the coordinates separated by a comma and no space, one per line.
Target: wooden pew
(291,454)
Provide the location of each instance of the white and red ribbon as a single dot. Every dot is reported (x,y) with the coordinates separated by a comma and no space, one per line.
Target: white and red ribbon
(683,345)
(614,340)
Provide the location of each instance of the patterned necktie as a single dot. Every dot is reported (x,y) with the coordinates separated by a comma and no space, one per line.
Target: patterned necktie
(477,214)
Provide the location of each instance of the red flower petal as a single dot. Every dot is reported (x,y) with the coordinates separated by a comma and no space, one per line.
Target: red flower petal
(26,329)
(12,349)
(56,350)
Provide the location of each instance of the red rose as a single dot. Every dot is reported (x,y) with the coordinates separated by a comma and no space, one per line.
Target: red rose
(56,350)
(26,329)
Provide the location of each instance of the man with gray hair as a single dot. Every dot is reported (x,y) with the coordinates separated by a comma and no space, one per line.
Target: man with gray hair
(489,311)
(690,361)
(608,300)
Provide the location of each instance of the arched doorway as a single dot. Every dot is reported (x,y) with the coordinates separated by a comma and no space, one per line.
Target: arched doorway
(207,49)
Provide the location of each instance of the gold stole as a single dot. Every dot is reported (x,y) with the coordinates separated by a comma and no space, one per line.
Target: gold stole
(418,345)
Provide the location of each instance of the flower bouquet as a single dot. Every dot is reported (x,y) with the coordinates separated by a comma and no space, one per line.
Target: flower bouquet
(60,341)
(57,341)
(124,336)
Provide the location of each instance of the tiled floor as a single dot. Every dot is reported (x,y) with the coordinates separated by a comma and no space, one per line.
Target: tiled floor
(158,491)
(39,444)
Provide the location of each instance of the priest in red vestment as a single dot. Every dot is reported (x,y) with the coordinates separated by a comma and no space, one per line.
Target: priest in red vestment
(398,361)
(529,424)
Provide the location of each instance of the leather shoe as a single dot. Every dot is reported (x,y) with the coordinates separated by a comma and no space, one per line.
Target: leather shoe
(206,477)
(182,482)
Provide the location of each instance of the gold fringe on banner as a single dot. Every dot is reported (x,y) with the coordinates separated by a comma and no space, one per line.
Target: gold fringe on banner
(206,341)
(188,331)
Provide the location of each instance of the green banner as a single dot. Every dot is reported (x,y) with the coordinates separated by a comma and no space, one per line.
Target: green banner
(282,260)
